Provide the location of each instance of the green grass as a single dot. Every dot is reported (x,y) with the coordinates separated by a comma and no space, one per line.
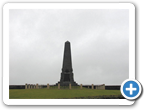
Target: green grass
(62,93)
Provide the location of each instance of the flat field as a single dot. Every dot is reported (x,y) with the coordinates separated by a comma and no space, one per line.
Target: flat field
(64,94)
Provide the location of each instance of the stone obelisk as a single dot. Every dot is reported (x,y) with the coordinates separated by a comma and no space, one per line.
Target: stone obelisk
(67,71)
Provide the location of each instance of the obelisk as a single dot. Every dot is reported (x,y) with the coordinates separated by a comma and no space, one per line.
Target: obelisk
(67,62)
(67,71)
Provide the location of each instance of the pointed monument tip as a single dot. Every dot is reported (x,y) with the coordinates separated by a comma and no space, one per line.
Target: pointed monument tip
(67,41)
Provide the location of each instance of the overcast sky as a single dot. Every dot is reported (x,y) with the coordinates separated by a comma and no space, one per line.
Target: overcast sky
(99,45)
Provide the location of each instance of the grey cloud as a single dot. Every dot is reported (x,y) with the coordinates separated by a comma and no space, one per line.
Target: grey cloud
(99,44)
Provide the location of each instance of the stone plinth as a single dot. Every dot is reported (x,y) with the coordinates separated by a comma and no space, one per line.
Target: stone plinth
(69,86)
(26,86)
(29,86)
(47,86)
(92,86)
(81,86)
(103,86)
(58,86)
(37,86)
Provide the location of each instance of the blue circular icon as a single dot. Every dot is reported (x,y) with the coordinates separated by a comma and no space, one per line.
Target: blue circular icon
(130,89)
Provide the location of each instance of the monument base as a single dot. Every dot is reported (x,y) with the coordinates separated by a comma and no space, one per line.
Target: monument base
(66,79)
(66,83)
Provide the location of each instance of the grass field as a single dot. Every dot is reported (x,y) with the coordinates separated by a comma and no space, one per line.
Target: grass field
(63,94)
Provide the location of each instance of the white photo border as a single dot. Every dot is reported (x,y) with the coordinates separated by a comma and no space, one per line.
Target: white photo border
(8,6)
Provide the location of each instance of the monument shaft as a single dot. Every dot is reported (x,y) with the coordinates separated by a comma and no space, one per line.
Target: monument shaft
(67,62)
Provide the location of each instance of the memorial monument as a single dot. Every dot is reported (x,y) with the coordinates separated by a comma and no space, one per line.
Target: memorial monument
(67,71)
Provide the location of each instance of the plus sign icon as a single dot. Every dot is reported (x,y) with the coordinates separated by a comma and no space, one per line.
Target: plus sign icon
(131,89)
